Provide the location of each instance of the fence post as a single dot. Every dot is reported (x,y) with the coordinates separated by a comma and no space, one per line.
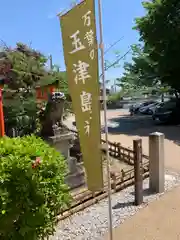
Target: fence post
(156,162)
(113,177)
(138,177)
(119,150)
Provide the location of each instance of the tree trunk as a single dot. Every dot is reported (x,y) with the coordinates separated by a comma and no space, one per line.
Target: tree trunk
(162,97)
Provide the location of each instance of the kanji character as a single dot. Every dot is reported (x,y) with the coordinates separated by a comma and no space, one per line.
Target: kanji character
(87,19)
(92,54)
(81,70)
(86,101)
(87,127)
(77,44)
(89,36)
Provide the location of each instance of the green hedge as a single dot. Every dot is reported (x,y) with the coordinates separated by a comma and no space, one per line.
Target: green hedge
(32,189)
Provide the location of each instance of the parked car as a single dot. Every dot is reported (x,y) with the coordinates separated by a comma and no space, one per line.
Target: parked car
(153,109)
(135,108)
(168,113)
(149,108)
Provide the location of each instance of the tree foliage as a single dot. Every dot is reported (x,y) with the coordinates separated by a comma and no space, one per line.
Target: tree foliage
(23,69)
(26,67)
(155,62)
(159,30)
(141,71)
(139,74)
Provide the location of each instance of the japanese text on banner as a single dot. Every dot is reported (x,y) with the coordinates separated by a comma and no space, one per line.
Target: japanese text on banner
(81,58)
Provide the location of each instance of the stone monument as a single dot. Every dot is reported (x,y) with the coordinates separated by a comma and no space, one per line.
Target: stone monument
(58,136)
(156,162)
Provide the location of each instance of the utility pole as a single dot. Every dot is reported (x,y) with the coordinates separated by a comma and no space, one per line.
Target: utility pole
(50,60)
(115,85)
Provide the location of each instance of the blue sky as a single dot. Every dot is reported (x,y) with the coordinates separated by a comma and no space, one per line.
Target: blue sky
(34,22)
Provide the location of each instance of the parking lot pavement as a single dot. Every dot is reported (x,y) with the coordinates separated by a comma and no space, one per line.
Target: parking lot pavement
(126,128)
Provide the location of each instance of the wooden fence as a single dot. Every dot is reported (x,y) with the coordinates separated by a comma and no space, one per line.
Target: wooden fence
(117,151)
(84,198)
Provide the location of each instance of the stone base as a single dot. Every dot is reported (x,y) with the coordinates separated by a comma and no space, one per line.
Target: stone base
(61,143)
(75,177)
(75,180)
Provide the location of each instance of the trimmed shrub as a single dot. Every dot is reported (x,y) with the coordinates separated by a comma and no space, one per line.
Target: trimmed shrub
(32,188)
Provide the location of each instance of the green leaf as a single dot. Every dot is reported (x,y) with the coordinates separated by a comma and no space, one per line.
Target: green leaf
(3,212)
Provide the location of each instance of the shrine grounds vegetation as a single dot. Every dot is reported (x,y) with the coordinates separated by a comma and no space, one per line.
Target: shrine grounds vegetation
(32,189)
(25,70)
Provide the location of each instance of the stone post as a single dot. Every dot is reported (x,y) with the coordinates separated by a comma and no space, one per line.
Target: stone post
(156,162)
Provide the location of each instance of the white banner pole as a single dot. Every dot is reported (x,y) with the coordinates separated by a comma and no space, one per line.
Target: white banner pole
(101,46)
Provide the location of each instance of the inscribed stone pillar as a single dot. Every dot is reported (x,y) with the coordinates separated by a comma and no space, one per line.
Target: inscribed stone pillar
(156,162)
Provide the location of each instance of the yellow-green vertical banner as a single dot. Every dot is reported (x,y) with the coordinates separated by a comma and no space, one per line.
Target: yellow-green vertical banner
(81,58)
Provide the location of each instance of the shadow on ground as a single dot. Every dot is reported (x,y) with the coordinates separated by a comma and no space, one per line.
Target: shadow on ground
(146,192)
(142,125)
(122,205)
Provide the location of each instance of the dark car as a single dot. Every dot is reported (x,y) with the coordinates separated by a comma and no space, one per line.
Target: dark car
(135,108)
(147,109)
(168,113)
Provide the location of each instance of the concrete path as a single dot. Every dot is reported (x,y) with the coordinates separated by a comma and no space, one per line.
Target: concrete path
(158,221)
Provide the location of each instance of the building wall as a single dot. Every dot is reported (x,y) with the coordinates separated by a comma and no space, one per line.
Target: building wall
(42,92)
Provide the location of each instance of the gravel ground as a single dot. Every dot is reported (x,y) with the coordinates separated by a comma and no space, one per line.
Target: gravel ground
(92,223)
